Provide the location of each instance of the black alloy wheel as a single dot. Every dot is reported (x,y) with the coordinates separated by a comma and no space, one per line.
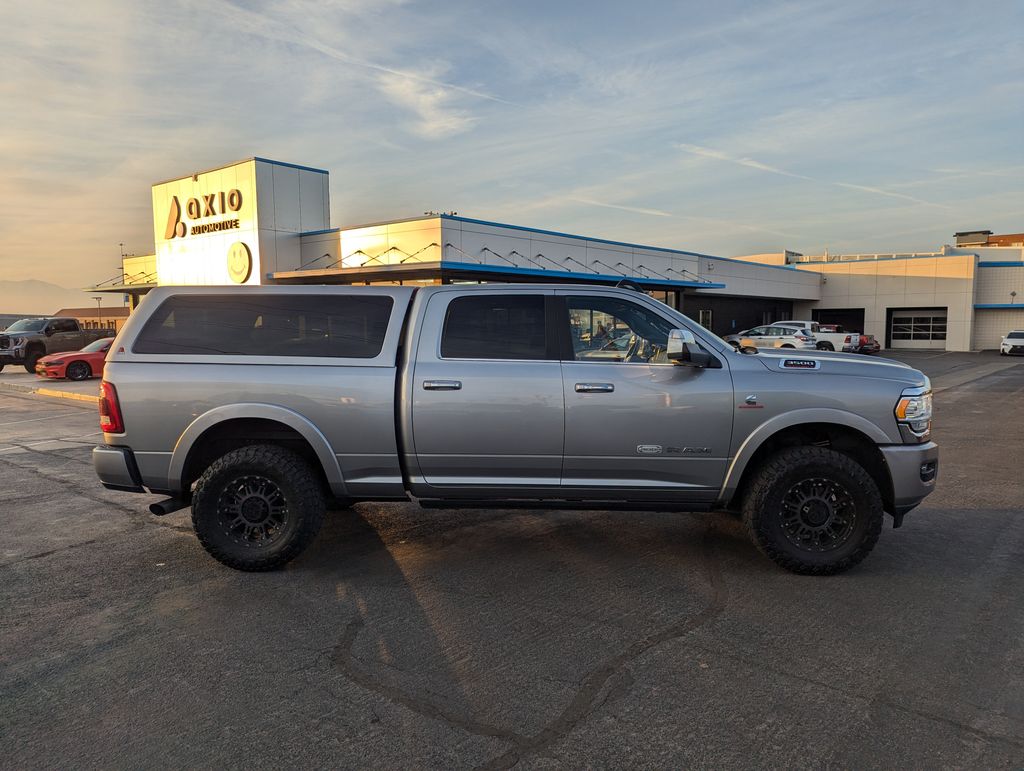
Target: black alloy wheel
(258,507)
(78,370)
(818,514)
(813,510)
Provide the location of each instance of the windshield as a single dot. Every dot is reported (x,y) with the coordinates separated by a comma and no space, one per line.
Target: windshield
(27,325)
(1015,336)
(100,345)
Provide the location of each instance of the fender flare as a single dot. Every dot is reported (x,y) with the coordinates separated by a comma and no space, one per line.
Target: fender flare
(290,418)
(770,427)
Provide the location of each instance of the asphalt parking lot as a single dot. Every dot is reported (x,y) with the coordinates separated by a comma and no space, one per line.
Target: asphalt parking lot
(491,638)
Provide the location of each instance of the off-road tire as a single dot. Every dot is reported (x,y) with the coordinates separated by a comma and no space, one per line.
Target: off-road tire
(858,502)
(826,346)
(283,470)
(78,370)
(30,361)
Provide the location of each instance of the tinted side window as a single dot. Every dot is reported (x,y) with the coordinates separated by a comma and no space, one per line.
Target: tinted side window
(343,326)
(64,325)
(607,330)
(495,327)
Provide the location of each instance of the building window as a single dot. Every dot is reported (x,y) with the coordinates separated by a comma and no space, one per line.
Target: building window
(906,327)
(705,319)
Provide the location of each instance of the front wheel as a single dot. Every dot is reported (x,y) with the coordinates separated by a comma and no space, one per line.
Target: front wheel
(813,511)
(258,507)
(30,361)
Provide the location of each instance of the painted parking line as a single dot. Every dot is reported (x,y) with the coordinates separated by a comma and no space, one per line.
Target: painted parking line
(24,447)
(48,417)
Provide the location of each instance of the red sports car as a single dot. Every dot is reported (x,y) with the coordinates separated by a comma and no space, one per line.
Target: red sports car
(76,365)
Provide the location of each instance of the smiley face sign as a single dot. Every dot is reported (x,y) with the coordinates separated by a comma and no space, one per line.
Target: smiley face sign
(239,262)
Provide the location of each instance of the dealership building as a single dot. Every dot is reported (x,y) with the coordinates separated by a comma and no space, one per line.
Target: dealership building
(259,221)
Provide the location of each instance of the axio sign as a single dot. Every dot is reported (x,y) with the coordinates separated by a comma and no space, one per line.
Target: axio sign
(208,205)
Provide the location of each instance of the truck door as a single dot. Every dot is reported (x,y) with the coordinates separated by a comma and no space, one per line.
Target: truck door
(66,336)
(636,425)
(486,393)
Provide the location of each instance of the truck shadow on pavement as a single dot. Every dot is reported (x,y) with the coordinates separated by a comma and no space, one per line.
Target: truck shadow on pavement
(475,619)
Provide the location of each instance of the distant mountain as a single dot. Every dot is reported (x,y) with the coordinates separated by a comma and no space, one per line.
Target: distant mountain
(40,298)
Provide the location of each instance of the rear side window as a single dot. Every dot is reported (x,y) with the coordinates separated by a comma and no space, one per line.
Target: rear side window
(336,326)
(495,327)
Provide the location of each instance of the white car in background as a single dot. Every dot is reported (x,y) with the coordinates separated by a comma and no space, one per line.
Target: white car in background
(829,337)
(775,336)
(1013,343)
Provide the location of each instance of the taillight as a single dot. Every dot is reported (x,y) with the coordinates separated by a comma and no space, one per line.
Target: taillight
(111,421)
(863,339)
(802,337)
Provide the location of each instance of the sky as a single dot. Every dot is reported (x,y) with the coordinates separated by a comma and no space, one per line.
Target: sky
(726,128)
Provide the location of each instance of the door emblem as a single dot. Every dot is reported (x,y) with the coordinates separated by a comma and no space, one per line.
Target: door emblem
(649,449)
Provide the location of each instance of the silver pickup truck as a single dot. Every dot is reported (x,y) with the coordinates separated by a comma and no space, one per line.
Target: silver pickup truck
(262,407)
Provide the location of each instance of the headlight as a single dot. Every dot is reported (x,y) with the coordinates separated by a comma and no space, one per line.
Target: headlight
(17,342)
(54,363)
(914,414)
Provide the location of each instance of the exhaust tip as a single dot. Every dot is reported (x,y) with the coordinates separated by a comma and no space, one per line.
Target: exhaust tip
(161,508)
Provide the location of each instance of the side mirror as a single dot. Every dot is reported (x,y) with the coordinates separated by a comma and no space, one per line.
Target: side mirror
(683,349)
(48,331)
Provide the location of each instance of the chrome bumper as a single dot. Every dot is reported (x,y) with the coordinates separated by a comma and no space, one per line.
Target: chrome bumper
(116,468)
(914,469)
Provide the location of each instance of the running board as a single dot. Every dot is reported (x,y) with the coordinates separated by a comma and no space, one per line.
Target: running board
(491,503)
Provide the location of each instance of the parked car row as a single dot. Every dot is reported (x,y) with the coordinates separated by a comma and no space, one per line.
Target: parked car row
(805,335)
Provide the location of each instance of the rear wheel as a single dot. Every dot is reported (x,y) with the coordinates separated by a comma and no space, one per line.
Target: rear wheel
(826,346)
(78,370)
(787,345)
(257,507)
(813,511)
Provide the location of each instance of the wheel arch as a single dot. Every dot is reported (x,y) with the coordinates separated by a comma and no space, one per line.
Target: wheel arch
(850,434)
(224,428)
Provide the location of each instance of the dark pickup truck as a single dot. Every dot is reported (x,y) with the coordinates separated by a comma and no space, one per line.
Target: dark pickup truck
(28,340)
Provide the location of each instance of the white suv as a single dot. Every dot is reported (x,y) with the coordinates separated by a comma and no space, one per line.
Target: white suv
(775,336)
(1012,343)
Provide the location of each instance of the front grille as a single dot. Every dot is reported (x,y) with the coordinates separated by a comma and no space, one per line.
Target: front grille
(5,341)
(1013,348)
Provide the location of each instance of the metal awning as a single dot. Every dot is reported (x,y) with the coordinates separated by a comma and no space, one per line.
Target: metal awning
(468,271)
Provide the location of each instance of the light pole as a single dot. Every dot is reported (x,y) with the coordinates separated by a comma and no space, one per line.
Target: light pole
(99,310)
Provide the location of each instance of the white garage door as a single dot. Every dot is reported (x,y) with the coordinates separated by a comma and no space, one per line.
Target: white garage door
(918,328)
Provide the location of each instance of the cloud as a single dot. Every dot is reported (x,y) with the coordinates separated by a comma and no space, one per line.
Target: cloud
(431,104)
(633,209)
(750,163)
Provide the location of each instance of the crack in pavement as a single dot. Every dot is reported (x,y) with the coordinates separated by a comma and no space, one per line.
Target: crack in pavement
(874,702)
(603,684)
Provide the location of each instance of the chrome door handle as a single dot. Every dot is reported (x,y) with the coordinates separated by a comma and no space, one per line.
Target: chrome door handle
(442,385)
(594,388)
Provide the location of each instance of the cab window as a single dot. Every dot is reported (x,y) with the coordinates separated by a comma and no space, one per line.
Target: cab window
(611,330)
(495,327)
